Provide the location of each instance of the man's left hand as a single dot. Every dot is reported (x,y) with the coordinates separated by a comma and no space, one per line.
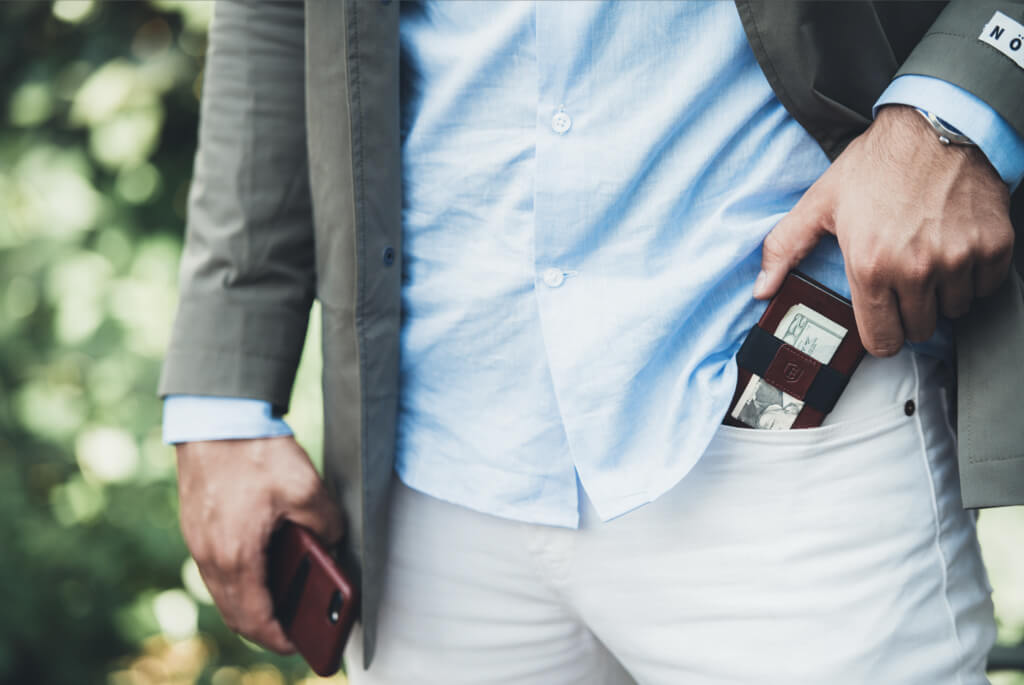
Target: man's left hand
(923,227)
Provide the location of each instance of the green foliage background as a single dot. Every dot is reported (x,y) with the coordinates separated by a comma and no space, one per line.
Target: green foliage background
(99,103)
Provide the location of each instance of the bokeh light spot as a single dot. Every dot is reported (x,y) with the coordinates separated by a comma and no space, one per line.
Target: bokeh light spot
(138,185)
(176,613)
(999,535)
(72,11)
(107,90)
(20,297)
(50,410)
(127,138)
(76,286)
(263,674)
(193,582)
(54,193)
(227,675)
(31,104)
(158,462)
(113,243)
(76,501)
(195,13)
(106,454)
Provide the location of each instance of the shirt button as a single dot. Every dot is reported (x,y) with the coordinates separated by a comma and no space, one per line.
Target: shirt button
(553,277)
(561,123)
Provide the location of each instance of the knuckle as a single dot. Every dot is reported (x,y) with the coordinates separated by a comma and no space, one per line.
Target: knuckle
(918,270)
(230,557)
(994,252)
(994,243)
(307,492)
(871,269)
(956,258)
(1002,232)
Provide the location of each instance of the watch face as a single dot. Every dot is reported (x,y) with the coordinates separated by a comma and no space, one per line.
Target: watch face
(948,134)
(950,127)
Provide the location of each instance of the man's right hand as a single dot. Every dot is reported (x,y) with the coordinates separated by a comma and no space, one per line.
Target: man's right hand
(232,494)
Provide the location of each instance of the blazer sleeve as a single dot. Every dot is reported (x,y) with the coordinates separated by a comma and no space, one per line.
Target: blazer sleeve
(952,50)
(247,275)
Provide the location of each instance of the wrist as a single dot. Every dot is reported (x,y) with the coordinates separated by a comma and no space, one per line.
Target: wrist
(902,134)
(226,448)
(1001,144)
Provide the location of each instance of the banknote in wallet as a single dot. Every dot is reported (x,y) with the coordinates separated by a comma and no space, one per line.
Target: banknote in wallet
(796,361)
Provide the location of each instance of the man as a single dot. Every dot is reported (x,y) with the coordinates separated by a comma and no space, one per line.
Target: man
(583,191)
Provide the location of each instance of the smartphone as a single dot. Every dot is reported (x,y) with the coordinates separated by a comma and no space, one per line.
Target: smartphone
(315,601)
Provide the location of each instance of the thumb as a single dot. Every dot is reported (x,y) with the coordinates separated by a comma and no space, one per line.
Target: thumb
(793,238)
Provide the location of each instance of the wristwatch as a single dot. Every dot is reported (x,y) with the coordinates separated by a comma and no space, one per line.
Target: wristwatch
(948,134)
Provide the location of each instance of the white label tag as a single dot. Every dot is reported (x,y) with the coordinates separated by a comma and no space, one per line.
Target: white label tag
(1006,35)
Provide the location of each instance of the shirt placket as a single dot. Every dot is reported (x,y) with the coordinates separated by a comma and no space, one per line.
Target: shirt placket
(560,220)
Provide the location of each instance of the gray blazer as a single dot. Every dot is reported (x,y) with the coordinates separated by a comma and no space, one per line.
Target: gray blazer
(297,194)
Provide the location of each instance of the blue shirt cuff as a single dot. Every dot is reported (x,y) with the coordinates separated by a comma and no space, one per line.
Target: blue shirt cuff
(200,417)
(1003,146)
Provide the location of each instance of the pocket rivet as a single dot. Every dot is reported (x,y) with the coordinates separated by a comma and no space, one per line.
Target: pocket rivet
(909,407)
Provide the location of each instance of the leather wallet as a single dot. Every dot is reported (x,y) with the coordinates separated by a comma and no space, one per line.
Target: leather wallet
(796,361)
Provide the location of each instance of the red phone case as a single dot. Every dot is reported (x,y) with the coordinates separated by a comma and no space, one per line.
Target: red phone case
(787,368)
(314,600)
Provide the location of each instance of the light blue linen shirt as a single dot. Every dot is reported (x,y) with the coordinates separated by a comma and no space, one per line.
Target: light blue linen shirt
(586,190)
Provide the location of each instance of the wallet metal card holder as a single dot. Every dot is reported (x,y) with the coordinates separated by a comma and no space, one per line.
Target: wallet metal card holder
(796,361)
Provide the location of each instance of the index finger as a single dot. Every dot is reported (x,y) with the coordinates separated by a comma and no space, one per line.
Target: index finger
(255,609)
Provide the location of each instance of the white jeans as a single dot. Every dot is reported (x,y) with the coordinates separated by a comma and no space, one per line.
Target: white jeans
(832,555)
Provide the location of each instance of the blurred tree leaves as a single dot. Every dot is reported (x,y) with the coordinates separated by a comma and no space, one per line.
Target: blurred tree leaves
(99,102)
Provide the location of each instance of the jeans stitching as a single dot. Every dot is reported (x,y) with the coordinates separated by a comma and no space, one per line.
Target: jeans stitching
(937,542)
